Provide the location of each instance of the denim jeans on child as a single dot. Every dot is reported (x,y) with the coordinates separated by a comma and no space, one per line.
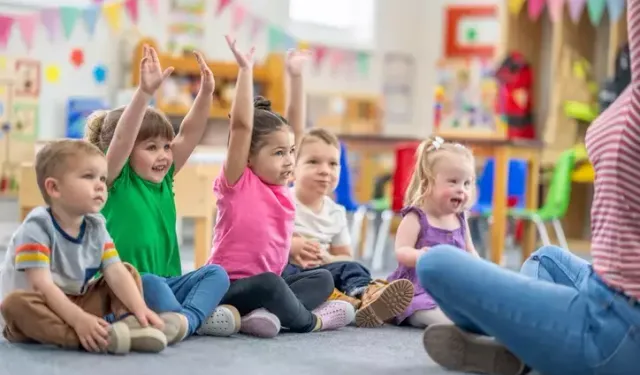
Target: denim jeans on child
(348,276)
(195,294)
(557,315)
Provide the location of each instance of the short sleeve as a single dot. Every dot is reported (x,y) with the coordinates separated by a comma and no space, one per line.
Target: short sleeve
(109,253)
(343,237)
(221,186)
(32,241)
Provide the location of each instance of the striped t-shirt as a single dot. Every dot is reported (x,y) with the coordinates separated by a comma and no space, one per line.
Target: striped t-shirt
(40,243)
(613,143)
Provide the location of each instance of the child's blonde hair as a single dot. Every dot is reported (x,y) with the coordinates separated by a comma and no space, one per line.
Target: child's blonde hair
(101,125)
(428,153)
(318,134)
(54,158)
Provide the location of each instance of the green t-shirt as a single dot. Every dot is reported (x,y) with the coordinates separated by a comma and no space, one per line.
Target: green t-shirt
(141,219)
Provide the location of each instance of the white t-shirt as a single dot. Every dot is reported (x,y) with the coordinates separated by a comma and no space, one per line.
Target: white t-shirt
(328,227)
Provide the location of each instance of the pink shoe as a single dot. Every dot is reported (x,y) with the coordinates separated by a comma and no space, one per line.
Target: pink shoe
(335,314)
(260,323)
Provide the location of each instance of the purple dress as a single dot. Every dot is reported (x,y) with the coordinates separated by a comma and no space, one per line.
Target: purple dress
(429,236)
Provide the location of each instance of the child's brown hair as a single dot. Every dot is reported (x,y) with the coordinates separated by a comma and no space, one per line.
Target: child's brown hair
(101,125)
(265,121)
(318,134)
(53,160)
(428,153)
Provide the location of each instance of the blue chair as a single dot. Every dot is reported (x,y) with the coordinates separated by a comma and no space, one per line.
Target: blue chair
(344,195)
(516,185)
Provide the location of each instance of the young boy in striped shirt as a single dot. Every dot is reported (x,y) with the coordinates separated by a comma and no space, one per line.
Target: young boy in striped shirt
(47,284)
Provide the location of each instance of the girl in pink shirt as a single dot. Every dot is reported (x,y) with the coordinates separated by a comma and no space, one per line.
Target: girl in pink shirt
(254,227)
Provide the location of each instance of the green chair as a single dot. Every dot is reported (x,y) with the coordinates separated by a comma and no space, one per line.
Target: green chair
(556,202)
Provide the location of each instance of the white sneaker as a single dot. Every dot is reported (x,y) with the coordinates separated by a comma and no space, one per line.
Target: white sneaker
(224,321)
(335,314)
(260,323)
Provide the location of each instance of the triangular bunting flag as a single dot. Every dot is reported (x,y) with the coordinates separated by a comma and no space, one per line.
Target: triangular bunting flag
(575,9)
(50,19)
(113,14)
(256,26)
(274,38)
(6,23)
(222,5)
(535,8)
(68,18)
(596,10)
(90,18)
(555,9)
(318,53)
(288,42)
(515,6)
(153,5)
(362,60)
(27,25)
(237,17)
(615,9)
(132,9)
(335,61)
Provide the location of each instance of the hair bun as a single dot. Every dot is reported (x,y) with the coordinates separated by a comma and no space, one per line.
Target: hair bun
(262,103)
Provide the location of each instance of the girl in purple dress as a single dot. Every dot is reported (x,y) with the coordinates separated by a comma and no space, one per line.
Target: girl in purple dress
(441,189)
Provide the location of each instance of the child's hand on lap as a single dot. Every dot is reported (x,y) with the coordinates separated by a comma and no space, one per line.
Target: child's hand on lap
(306,253)
(243,60)
(151,74)
(147,317)
(296,61)
(93,332)
(207,82)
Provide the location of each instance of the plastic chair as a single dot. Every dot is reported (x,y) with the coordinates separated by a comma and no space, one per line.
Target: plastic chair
(556,202)
(344,196)
(405,155)
(516,187)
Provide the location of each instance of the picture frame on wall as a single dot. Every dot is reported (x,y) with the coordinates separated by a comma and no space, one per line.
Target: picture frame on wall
(471,31)
(27,78)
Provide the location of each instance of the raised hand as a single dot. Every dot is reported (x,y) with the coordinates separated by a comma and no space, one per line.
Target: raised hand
(244,60)
(207,82)
(151,74)
(296,61)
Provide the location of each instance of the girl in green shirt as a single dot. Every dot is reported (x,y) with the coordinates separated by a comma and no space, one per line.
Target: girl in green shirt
(143,155)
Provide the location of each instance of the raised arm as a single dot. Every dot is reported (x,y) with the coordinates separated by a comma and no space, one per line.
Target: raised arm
(241,124)
(195,122)
(296,100)
(124,137)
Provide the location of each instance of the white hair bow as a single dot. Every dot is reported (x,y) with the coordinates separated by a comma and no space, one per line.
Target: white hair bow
(437,142)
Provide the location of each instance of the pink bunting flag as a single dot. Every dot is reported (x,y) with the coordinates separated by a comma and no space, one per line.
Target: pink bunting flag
(335,60)
(319,53)
(132,9)
(153,5)
(555,9)
(575,9)
(257,25)
(6,22)
(238,15)
(27,24)
(222,5)
(50,18)
(535,8)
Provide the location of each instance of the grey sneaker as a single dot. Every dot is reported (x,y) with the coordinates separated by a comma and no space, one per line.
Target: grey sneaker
(457,350)
(223,322)
(260,323)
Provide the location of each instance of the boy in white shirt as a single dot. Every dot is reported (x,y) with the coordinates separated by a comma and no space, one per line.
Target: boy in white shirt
(322,240)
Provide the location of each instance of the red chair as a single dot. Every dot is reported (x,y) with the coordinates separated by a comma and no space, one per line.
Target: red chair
(405,159)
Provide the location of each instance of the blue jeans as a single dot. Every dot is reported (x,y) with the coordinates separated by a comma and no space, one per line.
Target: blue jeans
(557,315)
(195,294)
(348,277)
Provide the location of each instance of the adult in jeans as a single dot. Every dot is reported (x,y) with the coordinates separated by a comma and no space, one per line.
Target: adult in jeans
(560,315)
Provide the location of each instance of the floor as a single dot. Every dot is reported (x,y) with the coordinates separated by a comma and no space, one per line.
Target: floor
(387,350)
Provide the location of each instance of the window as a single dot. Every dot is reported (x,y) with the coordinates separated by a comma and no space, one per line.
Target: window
(356,17)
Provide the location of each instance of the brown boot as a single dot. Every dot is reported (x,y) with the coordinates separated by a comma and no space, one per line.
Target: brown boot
(339,296)
(382,301)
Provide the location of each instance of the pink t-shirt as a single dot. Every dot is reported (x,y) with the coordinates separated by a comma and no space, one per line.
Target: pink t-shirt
(254,226)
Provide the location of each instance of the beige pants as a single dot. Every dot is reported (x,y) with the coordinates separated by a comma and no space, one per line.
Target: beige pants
(29,319)
(424,318)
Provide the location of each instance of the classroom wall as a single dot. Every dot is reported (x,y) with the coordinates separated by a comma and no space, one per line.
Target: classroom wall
(406,26)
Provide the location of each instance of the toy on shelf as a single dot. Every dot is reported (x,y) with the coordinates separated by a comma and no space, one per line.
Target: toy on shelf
(464,100)
(515,97)
(180,89)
